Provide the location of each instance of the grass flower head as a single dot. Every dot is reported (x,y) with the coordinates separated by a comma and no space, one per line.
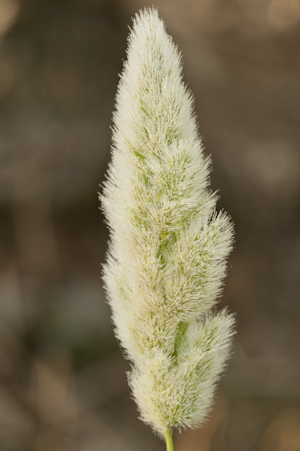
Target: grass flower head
(168,249)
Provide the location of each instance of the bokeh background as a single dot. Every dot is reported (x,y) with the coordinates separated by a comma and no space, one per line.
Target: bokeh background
(62,375)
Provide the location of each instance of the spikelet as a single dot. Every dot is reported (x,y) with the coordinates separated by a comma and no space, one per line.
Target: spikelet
(168,248)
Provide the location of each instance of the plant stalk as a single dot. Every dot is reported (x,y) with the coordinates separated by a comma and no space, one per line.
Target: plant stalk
(169,440)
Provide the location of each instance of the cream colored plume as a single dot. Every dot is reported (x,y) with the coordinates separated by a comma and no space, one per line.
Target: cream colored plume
(168,248)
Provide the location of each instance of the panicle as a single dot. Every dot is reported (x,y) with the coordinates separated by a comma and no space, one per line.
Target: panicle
(167,255)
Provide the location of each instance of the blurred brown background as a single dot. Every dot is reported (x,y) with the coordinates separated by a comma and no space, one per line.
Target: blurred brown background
(62,375)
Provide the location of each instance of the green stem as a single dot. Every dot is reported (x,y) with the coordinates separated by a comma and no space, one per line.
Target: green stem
(169,440)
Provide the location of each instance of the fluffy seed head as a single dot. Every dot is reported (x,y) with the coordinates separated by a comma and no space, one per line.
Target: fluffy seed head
(168,248)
